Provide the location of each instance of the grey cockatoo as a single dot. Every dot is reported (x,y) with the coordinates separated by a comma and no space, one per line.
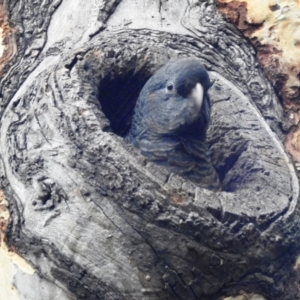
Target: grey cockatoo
(171,118)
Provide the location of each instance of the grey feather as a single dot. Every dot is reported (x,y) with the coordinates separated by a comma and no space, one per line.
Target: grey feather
(168,127)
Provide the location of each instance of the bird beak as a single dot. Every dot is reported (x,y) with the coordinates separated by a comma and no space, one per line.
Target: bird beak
(197,94)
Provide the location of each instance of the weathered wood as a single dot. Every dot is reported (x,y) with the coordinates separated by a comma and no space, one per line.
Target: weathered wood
(88,212)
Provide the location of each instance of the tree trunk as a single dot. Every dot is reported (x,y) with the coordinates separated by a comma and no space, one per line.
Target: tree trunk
(92,217)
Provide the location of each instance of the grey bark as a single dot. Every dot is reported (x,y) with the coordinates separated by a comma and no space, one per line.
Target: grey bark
(96,220)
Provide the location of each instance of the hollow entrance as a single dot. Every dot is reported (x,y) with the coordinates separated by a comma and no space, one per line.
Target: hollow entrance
(118,94)
(118,88)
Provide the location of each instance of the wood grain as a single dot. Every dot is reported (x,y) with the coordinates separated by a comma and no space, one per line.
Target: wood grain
(88,212)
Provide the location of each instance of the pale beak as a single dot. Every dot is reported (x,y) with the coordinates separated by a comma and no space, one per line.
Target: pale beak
(197,94)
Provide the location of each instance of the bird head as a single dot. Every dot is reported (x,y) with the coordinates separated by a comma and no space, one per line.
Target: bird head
(175,100)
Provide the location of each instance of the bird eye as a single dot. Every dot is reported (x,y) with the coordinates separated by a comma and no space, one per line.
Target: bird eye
(170,86)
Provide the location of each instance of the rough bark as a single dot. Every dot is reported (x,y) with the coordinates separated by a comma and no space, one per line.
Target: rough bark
(97,221)
(273,30)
